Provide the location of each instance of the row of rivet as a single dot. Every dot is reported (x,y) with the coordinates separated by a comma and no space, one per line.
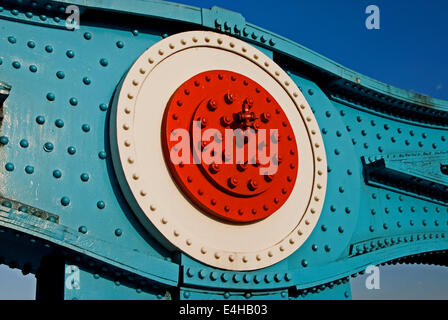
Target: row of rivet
(203,274)
(388,242)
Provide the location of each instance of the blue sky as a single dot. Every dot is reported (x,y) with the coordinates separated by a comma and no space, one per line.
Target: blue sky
(409,51)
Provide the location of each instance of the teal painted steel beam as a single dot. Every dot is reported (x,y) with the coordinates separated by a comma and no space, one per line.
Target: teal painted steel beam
(59,191)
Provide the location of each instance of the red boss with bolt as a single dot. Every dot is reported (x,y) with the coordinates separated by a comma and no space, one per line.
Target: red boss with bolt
(242,159)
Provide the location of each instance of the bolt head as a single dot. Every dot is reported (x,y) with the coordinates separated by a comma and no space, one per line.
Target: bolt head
(229,98)
(215,168)
(265,117)
(212,105)
(242,166)
(252,184)
(226,120)
(233,182)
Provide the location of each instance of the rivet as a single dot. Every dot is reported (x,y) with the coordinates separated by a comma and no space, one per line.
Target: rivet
(118,232)
(84,177)
(70,54)
(51,96)
(59,123)
(57,174)
(48,147)
(85,127)
(24,143)
(225,277)
(212,105)
(60,75)
(82,229)
(252,184)
(233,182)
(12,40)
(71,150)
(229,98)
(120,44)
(87,35)
(6,204)
(29,169)
(100,205)
(65,201)
(33,68)
(102,155)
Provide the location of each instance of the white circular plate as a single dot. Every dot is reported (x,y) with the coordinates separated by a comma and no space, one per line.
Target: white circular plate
(144,176)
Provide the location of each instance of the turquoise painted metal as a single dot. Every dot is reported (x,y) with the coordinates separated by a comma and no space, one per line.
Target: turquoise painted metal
(63,216)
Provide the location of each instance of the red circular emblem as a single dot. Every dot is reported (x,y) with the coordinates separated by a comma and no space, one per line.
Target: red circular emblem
(229,146)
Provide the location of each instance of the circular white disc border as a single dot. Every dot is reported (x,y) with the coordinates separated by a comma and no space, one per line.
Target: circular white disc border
(156,203)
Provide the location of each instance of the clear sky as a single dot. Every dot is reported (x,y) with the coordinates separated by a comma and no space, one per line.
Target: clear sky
(410,51)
